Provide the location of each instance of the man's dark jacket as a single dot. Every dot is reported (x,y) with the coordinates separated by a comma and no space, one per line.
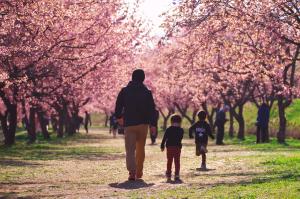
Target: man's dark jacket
(220,118)
(263,116)
(135,102)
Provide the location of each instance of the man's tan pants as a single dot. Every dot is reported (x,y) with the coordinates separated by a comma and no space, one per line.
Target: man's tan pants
(135,140)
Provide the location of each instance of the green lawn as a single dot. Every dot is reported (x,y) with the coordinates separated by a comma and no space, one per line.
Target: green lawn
(280,177)
(292,116)
(250,114)
(95,163)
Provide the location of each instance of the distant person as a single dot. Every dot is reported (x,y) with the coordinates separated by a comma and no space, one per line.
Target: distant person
(113,125)
(172,139)
(153,134)
(202,130)
(87,121)
(24,123)
(262,123)
(220,124)
(135,102)
(79,121)
(54,123)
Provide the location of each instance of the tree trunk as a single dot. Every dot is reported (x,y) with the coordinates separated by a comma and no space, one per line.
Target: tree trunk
(231,123)
(10,135)
(3,119)
(73,123)
(210,116)
(43,123)
(241,122)
(166,117)
(282,121)
(106,120)
(54,123)
(194,115)
(183,112)
(61,121)
(31,126)
(67,124)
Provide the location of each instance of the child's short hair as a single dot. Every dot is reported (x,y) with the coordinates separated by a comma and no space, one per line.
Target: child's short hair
(175,118)
(202,115)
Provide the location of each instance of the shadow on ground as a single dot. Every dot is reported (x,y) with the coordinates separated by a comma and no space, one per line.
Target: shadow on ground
(17,163)
(137,184)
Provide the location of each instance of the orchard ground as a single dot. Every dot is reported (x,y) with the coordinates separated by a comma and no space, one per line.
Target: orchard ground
(93,166)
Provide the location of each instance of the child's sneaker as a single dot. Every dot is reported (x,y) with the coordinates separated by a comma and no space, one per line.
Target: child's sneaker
(203,166)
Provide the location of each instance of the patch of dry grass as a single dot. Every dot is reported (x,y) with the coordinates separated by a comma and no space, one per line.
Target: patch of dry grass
(93,166)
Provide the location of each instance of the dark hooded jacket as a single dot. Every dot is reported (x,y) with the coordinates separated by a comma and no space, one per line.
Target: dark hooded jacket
(263,116)
(135,103)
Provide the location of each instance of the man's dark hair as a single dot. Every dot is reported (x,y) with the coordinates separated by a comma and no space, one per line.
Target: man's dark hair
(138,75)
(202,115)
(175,118)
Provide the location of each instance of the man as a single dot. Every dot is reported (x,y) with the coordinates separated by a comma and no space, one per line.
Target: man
(153,134)
(262,123)
(136,105)
(87,121)
(113,125)
(220,123)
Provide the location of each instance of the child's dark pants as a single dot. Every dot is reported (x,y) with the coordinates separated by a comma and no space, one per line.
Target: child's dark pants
(173,152)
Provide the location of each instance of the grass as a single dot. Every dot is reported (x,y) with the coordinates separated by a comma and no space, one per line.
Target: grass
(54,149)
(250,114)
(280,176)
(280,179)
(94,165)
(250,143)
(292,117)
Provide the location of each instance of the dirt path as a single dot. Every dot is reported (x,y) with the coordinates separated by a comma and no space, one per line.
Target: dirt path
(92,175)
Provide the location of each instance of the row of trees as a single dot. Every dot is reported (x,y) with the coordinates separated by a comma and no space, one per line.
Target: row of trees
(58,57)
(54,54)
(229,52)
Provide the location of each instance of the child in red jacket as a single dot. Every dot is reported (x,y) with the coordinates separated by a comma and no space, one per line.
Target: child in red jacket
(172,138)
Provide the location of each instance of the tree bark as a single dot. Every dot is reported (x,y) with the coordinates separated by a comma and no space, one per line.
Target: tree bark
(3,119)
(106,120)
(183,112)
(43,124)
(31,126)
(12,127)
(61,121)
(241,122)
(54,123)
(231,123)
(282,121)
(210,115)
(165,117)
(73,123)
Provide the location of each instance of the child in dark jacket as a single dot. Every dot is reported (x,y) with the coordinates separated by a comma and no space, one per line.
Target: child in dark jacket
(202,130)
(172,138)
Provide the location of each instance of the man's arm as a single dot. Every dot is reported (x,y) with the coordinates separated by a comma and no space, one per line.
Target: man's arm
(209,132)
(191,131)
(182,133)
(119,104)
(162,145)
(153,115)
